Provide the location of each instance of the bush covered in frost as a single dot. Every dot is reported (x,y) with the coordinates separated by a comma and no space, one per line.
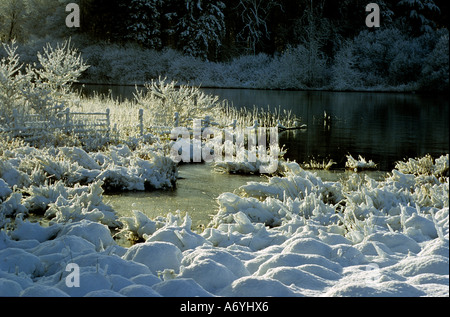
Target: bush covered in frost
(40,89)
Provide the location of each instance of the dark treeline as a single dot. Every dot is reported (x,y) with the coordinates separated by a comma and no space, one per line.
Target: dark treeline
(289,44)
(221,30)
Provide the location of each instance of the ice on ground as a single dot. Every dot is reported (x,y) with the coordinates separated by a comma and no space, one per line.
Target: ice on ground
(292,236)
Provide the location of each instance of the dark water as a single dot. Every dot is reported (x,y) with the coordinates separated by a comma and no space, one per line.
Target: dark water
(383,127)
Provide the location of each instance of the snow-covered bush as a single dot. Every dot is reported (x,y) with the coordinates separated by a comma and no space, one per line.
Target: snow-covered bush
(40,89)
(384,59)
(345,73)
(374,54)
(425,166)
(359,164)
(297,69)
(246,71)
(163,99)
(188,70)
(390,58)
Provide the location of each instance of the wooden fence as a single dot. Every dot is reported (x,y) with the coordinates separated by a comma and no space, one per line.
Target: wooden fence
(33,126)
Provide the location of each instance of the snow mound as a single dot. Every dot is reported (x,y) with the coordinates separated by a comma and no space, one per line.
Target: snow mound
(181,287)
(158,256)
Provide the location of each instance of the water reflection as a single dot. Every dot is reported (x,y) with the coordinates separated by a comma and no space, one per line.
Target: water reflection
(383,127)
(196,193)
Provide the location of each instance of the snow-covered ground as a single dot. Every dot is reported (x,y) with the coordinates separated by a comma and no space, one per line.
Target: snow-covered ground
(294,235)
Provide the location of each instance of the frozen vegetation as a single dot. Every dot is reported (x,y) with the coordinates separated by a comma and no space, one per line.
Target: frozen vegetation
(294,235)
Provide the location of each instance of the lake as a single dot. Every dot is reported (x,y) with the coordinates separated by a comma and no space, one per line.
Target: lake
(383,127)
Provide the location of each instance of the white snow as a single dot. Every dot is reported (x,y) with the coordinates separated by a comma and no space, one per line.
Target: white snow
(292,236)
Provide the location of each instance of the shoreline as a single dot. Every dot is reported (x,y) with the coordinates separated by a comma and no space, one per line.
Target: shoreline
(392,90)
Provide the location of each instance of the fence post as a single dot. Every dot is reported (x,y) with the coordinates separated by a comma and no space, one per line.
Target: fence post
(108,122)
(141,122)
(67,124)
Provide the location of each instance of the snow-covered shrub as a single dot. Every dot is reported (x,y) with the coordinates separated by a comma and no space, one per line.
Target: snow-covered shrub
(163,99)
(86,205)
(241,164)
(345,73)
(425,166)
(359,164)
(299,68)
(5,190)
(67,184)
(390,58)
(188,70)
(247,71)
(41,89)
(407,61)
(374,54)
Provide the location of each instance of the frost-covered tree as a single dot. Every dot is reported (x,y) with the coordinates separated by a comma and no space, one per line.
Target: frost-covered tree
(313,35)
(254,15)
(61,66)
(201,27)
(12,80)
(144,24)
(43,88)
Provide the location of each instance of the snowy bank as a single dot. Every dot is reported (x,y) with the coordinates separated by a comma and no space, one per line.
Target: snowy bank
(293,236)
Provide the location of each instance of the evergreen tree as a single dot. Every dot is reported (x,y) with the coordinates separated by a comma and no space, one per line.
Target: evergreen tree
(201,28)
(144,24)
(417,15)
